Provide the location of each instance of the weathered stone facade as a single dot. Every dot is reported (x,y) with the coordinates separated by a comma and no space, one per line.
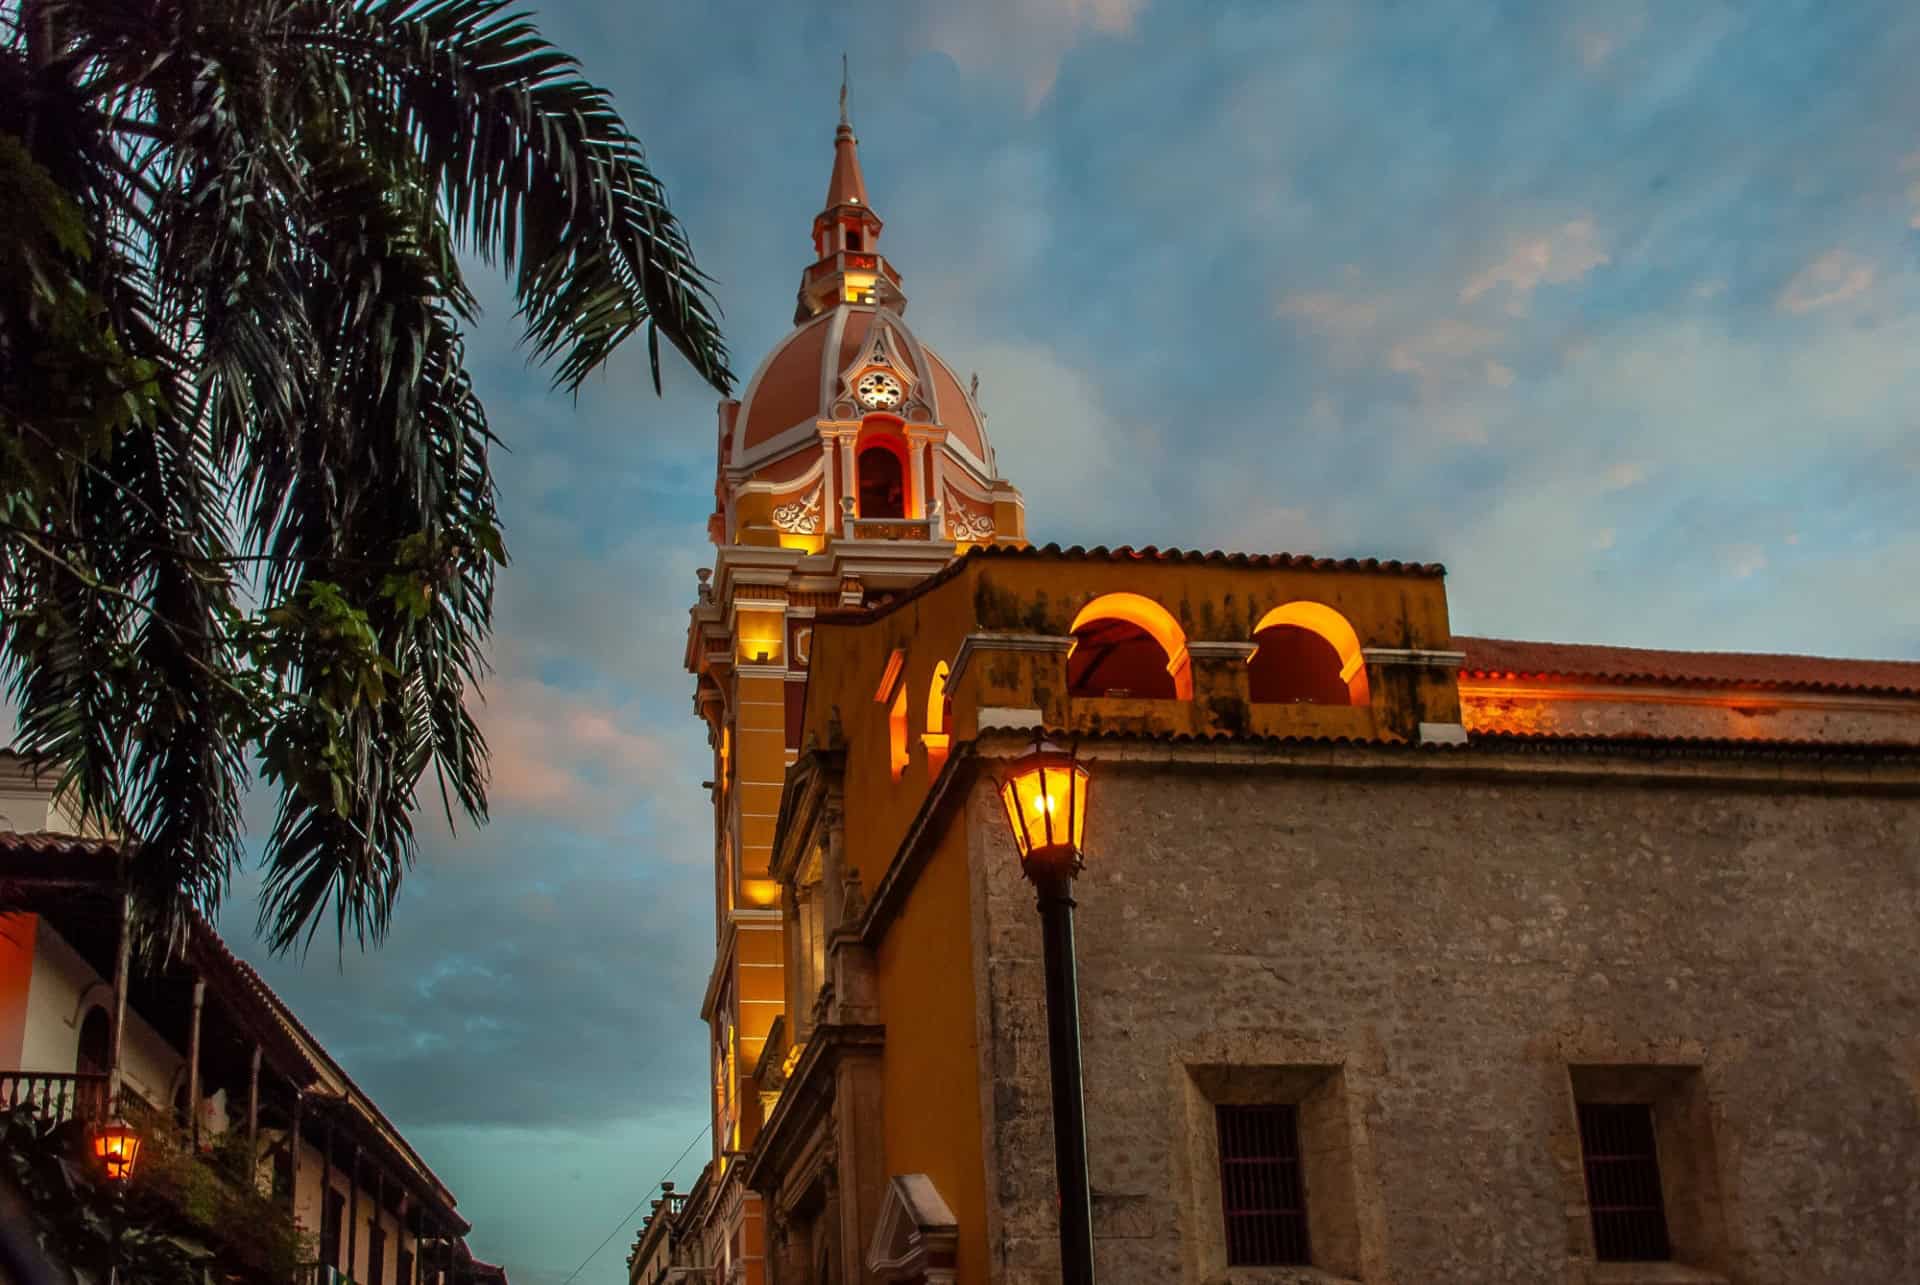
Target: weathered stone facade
(1429,950)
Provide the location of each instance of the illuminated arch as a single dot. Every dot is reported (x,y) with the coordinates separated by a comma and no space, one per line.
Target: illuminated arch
(1330,627)
(1138,616)
(937,738)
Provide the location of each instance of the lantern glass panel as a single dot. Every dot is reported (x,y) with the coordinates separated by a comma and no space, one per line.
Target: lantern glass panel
(116,1147)
(1046,802)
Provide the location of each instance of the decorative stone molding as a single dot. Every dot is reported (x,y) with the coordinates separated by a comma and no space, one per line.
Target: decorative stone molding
(1061,643)
(1233,649)
(801,516)
(916,1240)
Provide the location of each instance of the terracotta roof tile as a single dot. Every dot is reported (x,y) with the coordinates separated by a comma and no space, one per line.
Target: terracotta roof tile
(1124,553)
(1504,657)
(47,843)
(1216,557)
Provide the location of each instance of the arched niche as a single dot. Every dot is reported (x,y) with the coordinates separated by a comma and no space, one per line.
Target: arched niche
(1307,654)
(882,471)
(1125,644)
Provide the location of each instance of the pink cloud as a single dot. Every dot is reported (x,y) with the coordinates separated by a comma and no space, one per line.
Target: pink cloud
(1833,278)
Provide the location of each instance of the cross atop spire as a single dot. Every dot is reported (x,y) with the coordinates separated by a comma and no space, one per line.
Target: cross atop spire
(847,186)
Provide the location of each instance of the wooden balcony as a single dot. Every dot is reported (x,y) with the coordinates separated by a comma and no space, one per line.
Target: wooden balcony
(55,1097)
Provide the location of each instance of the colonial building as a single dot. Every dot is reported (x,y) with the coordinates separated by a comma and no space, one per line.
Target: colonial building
(1404,956)
(209,1062)
(852,467)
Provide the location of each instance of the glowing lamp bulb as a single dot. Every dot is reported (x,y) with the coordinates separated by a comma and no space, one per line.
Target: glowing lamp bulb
(116,1146)
(1045,795)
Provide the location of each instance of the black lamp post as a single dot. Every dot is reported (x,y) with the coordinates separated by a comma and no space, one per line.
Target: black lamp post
(1045,793)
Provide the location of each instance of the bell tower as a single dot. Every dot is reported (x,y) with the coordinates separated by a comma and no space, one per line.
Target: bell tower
(854,465)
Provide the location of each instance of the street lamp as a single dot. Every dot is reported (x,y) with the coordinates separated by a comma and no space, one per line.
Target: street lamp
(1045,793)
(116,1145)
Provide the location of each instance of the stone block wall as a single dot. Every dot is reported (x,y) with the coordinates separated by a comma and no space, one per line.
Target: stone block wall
(1427,962)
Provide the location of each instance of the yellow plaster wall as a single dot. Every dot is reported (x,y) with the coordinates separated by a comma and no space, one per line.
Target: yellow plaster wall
(930,1075)
(1213,602)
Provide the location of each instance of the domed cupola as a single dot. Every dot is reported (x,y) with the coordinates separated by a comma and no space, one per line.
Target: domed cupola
(852,428)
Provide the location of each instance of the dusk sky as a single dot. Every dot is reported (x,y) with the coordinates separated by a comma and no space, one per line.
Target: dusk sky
(1610,307)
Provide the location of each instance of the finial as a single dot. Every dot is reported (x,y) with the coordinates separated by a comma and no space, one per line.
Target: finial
(844,122)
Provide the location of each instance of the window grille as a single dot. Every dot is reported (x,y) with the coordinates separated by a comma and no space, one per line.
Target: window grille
(1261,1190)
(1623,1182)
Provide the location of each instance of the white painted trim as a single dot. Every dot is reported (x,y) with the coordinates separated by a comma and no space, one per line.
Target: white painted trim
(1230,650)
(1007,719)
(1424,657)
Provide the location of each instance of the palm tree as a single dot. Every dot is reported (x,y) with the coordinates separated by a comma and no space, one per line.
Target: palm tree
(247,515)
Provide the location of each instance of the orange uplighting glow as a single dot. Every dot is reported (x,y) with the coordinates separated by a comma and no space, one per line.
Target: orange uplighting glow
(1045,794)
(117,1147)
(897,734)
(935,738)
(1336,629)
(1145,614)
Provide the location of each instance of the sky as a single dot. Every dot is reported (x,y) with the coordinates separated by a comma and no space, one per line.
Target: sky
(1610,307)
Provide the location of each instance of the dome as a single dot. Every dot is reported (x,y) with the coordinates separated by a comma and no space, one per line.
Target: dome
(810,376)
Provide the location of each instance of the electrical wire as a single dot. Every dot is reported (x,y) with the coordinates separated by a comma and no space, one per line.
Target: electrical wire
(704,1129)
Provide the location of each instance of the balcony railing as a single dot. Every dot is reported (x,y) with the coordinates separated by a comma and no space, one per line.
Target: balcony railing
(891,529)
(55,1097)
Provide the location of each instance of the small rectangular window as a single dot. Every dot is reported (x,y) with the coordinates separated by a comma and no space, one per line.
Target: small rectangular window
(1623,1182)
(1260,1186)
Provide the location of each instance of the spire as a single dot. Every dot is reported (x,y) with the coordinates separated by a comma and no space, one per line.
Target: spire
(848,266)
(847,186)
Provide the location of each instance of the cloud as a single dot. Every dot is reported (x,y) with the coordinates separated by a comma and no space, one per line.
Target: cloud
(1743,560)
(1596,42)
(1335,316)
(1498,375)
(1564,255)
(1833,278)
(1626,474)
(556,753)
(1028,38)
(1440,349)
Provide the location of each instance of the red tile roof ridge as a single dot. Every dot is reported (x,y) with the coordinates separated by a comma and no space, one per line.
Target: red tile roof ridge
(56,843)
(1153,553)
(1507,657)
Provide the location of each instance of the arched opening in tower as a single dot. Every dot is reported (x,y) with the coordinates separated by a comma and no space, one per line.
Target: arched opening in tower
(1295,666)
(1118,658)
(883,482)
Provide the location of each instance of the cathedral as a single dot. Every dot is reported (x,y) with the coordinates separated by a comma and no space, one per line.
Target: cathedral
(1404,956)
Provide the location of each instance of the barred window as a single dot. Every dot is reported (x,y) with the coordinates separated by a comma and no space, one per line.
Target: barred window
(1261,1190)
(1623,1182)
